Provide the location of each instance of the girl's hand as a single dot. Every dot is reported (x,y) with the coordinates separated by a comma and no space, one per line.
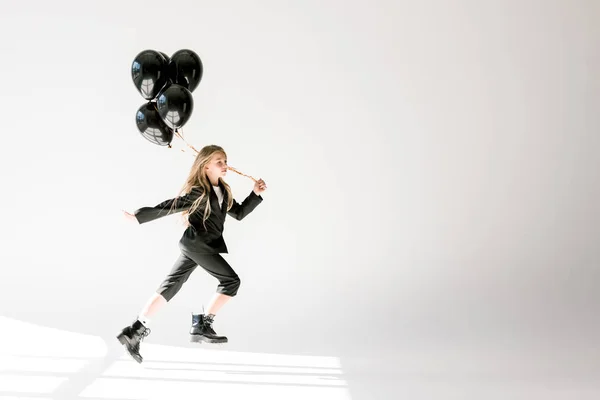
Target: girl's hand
(260,186)
(129,216)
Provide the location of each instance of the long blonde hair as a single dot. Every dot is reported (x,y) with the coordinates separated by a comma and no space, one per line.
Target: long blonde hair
(197,178)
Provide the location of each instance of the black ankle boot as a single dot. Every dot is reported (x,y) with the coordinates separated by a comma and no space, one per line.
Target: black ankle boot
(131,336)
(202,331)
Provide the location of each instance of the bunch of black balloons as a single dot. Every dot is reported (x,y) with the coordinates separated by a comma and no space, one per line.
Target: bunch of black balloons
(168,84)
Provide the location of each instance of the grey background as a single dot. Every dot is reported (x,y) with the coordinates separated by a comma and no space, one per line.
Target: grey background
(432,213)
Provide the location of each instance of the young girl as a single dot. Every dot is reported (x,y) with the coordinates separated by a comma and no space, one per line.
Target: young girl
(206,202)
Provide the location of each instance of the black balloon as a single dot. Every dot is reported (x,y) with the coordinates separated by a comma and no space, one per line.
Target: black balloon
(185,69)
(169,80)
(150,73)
(175,105)
(151,126)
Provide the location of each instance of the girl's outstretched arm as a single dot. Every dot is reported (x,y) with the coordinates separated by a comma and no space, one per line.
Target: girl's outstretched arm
(147,214)
(239,211)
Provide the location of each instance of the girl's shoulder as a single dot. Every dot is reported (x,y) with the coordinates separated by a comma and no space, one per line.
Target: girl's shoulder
(196,190)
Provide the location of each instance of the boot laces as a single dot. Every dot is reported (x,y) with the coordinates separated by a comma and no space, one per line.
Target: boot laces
(145,333)
(208,325)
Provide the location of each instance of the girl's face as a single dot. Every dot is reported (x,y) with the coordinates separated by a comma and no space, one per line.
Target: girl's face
(217,167)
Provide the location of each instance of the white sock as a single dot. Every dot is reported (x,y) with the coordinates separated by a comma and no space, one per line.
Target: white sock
(144,320)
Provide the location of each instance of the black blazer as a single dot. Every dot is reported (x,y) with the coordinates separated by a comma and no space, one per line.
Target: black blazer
(196,238)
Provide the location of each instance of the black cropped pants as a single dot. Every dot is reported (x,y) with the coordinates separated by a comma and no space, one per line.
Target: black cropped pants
(214,264)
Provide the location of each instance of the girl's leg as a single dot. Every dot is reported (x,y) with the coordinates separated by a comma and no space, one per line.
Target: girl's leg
(180,272)
(132,335)
(229,281)
(217,301)
(154,303)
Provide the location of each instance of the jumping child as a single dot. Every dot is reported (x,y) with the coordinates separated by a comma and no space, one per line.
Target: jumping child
(206,201)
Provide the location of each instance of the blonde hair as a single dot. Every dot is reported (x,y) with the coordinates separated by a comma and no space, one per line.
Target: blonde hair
(197,178)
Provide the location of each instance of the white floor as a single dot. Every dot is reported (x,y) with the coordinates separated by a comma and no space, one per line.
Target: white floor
(37,362)
(44,363)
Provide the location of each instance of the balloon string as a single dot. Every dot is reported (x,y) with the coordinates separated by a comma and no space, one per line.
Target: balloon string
(238,172)
(192,147)
(189,145)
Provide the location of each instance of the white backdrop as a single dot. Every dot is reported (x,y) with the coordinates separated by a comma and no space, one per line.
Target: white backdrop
(432,170)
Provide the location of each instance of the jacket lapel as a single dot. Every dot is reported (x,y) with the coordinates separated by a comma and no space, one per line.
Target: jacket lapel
(214,199)
(225,199)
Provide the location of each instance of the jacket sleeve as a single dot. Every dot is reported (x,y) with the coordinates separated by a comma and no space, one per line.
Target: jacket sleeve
(147,214)
(239,211)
